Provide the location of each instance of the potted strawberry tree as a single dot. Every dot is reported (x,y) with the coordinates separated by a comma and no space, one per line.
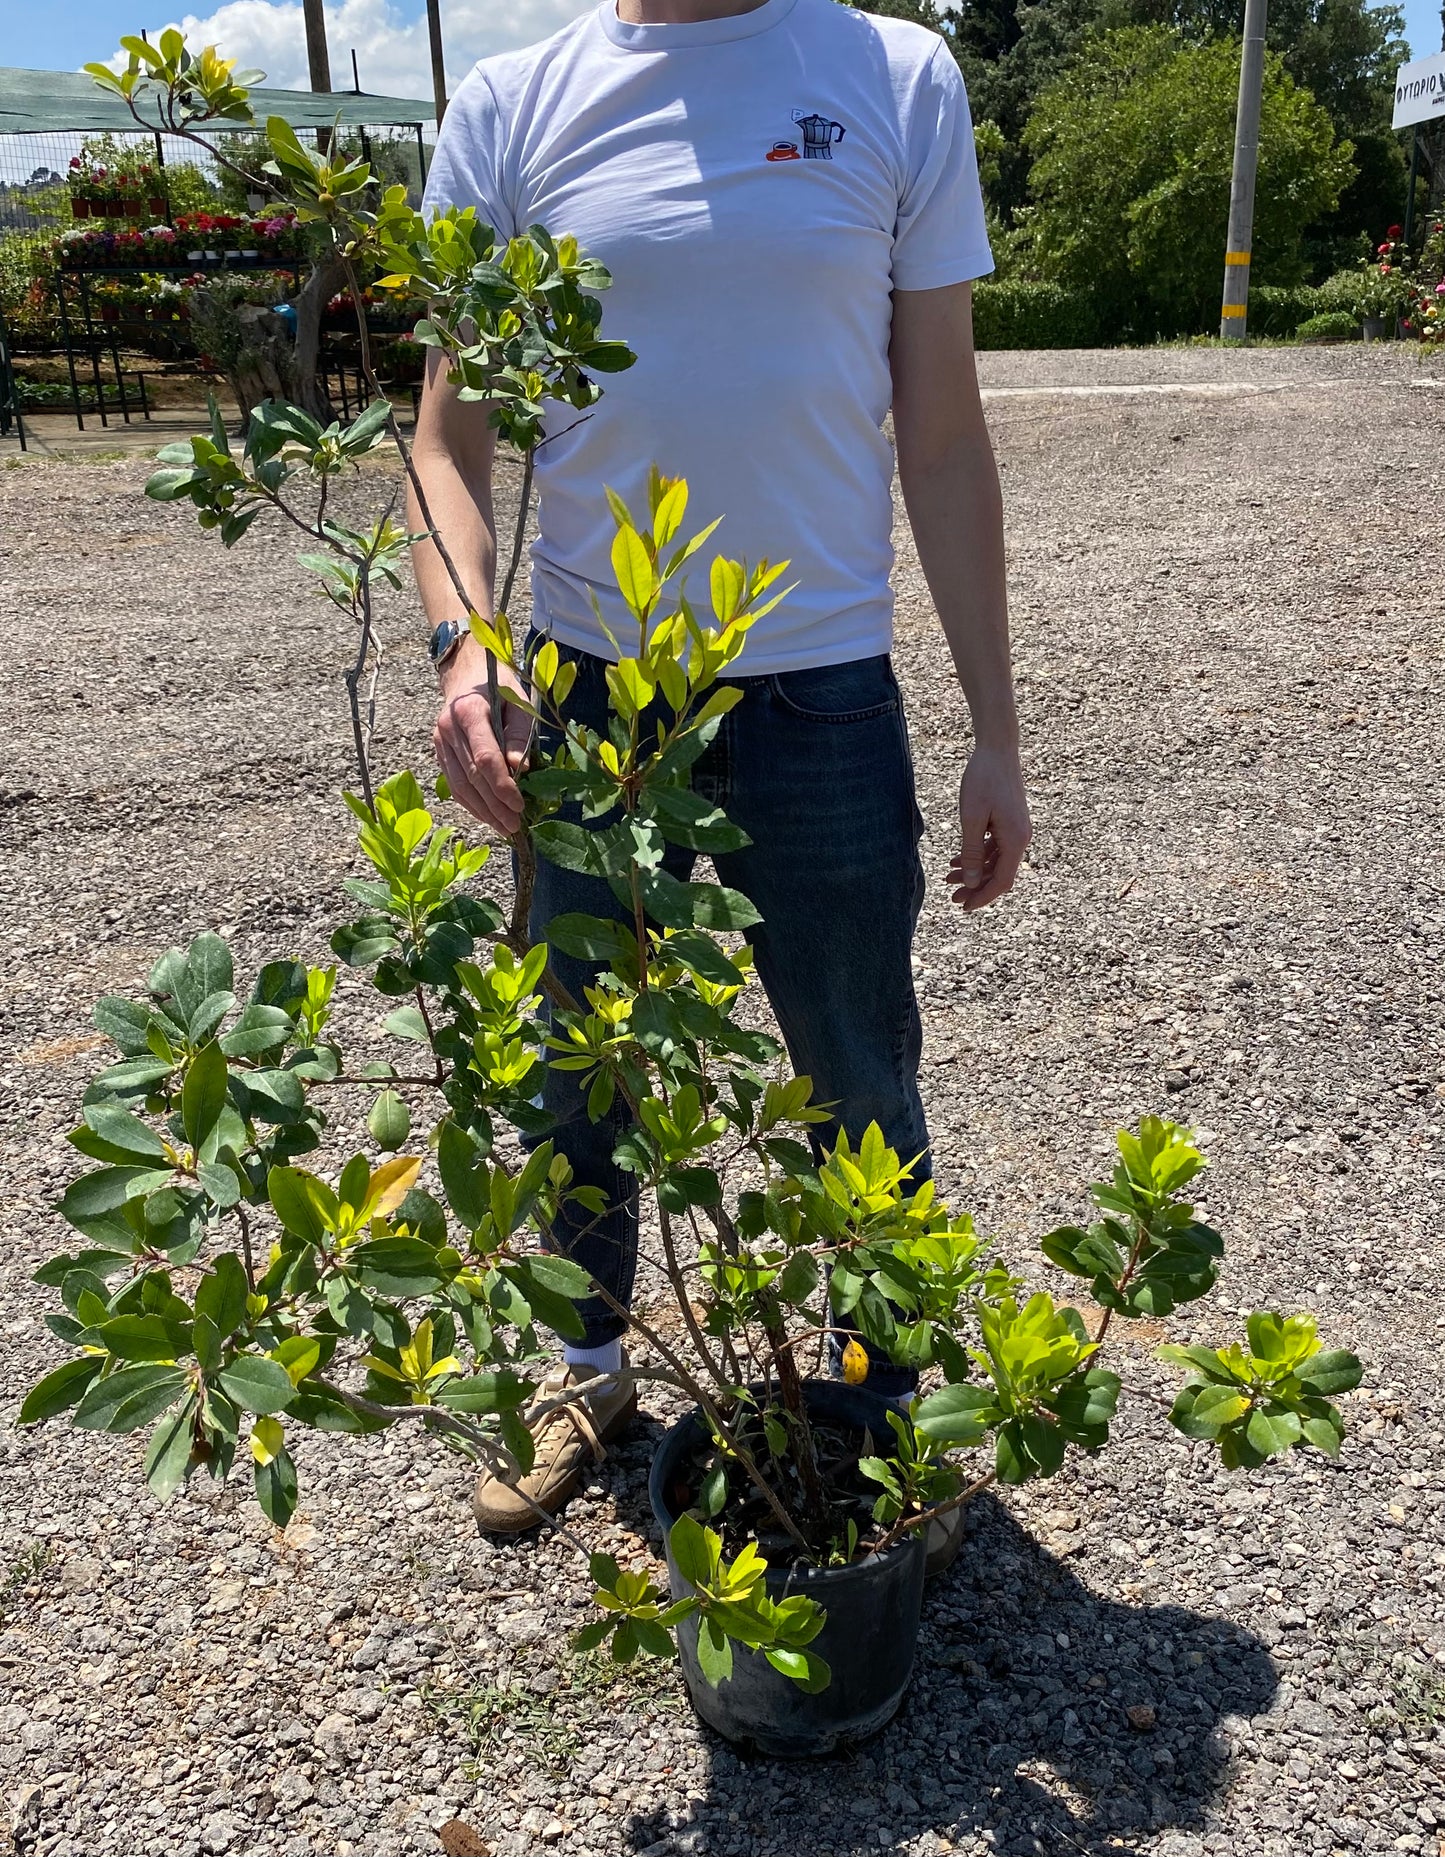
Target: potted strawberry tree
(238,1279)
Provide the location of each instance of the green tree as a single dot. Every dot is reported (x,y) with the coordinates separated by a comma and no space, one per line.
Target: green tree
(1346,52)
(1133,149)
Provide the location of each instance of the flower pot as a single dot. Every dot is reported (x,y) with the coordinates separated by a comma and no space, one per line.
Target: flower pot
(194,257)
(79,209)
(156,206)
(135,209)
(1374,328)
(868,1641)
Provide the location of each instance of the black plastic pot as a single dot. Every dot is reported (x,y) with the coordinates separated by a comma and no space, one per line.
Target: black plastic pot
(868,1642)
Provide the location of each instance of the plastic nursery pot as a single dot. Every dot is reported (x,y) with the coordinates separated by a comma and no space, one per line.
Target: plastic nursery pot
(1374,328)
(868,1642)
(79,209)
(156,206)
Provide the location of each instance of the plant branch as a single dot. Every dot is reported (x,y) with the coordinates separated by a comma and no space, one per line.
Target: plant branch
(910,1522)
(499,1460)
(246,1256)
(715,1418)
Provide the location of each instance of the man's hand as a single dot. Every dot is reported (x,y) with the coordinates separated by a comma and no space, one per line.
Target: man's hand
(994,815)
(482,776)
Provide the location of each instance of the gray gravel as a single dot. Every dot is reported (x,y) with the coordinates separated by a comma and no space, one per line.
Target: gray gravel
(1230,661)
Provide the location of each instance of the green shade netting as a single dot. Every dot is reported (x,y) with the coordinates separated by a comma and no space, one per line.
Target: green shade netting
(44,102)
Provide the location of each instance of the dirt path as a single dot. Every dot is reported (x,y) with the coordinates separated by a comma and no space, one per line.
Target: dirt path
(1230,657)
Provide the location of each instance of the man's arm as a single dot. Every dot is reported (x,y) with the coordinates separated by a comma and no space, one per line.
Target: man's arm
(950,489)
(452,453)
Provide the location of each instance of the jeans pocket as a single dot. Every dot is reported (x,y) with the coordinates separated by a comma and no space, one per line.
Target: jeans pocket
(854,692)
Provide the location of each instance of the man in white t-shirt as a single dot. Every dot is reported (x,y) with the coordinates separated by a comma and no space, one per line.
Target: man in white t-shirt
(787,198)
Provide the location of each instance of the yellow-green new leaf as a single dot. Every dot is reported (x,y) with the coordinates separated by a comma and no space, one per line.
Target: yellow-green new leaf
(636,576)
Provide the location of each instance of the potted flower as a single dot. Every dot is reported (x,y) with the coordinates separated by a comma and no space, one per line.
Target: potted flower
(1383,290)
(79,189)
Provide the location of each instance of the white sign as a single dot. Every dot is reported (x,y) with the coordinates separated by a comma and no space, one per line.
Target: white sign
(1420,91)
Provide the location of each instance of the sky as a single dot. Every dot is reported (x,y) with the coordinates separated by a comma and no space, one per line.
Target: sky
(389,35)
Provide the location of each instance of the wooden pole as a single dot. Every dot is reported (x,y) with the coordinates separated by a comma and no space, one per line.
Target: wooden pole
(317,58)
(438,68)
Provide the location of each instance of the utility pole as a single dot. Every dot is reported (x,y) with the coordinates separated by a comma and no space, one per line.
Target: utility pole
(438,69)
(1234,315)
(317,58)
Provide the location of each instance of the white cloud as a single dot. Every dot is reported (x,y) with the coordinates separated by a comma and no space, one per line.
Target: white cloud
(392,54)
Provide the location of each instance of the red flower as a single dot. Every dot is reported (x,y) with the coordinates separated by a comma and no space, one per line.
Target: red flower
(1394,232)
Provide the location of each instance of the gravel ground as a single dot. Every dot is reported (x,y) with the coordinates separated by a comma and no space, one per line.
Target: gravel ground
(1232,692)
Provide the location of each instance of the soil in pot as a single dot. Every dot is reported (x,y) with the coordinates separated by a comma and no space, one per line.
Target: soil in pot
(872,1602)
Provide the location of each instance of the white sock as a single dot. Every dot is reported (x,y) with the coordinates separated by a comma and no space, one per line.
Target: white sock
(604,1360)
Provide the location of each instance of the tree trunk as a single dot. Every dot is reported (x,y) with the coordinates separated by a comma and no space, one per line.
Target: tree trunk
(261,356)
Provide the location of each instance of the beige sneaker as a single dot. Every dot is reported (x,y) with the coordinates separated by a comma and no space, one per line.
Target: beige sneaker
(567,1441)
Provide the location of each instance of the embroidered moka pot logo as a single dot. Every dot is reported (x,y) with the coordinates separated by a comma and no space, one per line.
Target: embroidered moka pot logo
(819,135)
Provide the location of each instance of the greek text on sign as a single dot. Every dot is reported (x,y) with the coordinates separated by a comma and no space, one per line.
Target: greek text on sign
(1420,91)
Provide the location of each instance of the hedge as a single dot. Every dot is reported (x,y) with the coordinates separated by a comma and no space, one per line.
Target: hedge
(1015,313)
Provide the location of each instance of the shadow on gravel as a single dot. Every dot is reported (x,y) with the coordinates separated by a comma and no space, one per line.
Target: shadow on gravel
(1058,1721)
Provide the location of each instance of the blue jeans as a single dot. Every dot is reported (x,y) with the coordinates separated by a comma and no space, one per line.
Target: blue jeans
(814,766)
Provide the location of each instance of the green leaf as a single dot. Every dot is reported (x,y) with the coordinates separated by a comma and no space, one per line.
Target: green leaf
(568,846)
(96,1193)
(301,1203)
(714,1651)
(219,1183)
(1334,1371)
(407,1022)
(206,1339)
(112,1133)
(695,1549)
(257,1384)
(259,1031)
(806,1669)
(398,1266)
(208,966)
(799,1277)
(145,1337)
(169,1455)
(1324,1433)
(593,1634)
(466,1179)
(956,1415)
(276,1488)
(389,1121)
(221,1293)
(1272,1432)
(591,938)
(129,1398)
(203,1094)
(688,819)
(59,1390)
(502,1391)
(559,1273)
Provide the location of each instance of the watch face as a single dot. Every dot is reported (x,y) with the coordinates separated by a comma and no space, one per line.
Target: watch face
(443,639)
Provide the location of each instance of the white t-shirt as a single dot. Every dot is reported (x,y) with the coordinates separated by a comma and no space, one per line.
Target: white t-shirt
(758,186)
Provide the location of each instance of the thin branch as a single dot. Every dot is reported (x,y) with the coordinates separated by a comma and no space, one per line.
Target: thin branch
(684,1302)
(249,1261)
(498,1460)
(519,533)
(715,1418)
(910,1522)
(352,679)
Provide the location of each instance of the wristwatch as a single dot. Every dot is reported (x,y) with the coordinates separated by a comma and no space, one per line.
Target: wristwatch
(444,643)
